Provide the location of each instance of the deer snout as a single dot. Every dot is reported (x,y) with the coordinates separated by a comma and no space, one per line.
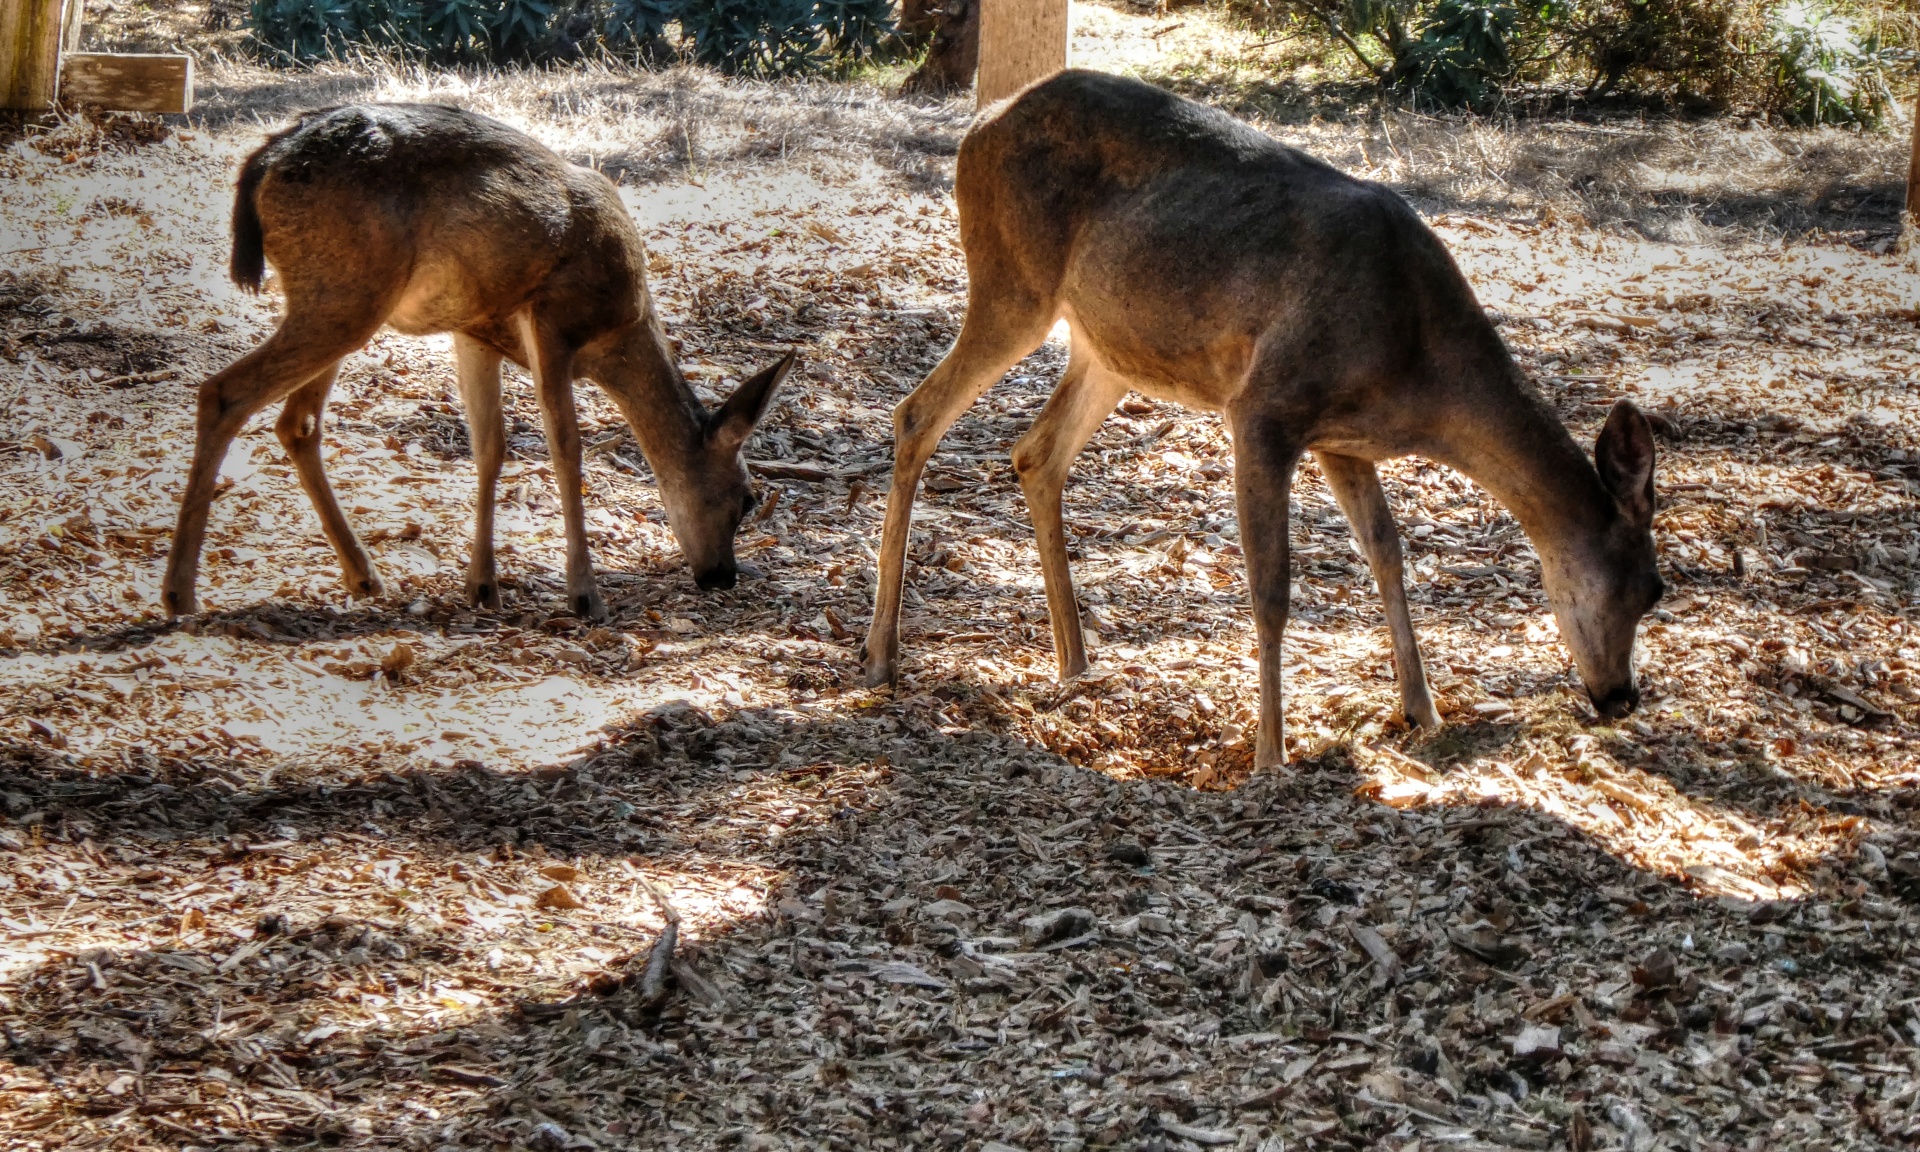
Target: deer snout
(1618,702)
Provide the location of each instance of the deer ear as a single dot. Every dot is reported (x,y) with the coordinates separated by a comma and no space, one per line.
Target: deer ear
(733,421)
(1624,456)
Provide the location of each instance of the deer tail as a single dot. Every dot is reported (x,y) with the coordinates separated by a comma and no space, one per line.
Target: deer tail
(249,263)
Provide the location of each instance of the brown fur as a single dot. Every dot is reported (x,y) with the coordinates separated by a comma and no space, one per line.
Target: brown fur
(1200,261)
(432,219)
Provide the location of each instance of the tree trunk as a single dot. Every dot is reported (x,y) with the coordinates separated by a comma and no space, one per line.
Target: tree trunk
(953,54)
(1912,221)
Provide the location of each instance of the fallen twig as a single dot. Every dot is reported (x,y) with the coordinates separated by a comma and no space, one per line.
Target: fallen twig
(132,378)
(653,983)
(813,473)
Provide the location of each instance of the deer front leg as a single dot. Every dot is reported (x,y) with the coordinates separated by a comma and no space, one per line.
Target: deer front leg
(979,358)
(479,372)
(1043,457)
(1356,485)
(552,364)
(1265,455)
(299,431)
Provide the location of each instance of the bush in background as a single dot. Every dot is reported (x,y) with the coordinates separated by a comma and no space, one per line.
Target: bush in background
(756,37)
(1679,51)
(1797,60)
(1824,70)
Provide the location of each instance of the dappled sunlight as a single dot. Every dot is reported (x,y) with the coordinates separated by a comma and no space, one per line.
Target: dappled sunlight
(1638,816)
(186,693)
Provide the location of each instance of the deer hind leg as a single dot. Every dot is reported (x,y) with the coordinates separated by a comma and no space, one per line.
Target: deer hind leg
(1043,457)
(1356,485)
(299,431)
(295,354)
(479,373)
(997,333)
(552,363)
(1265,454)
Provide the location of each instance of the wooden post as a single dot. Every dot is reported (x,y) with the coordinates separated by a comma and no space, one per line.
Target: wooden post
(1021,41)
(30,33)
(76,16)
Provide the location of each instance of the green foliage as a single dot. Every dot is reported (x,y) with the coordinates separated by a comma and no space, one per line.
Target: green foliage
(517,27)
(305,29)
(1825,72)
(452,29)
(755,37)
(1676,49)
(384,20)
(1462,57)
(856,29)
(638,23)
(1801,60)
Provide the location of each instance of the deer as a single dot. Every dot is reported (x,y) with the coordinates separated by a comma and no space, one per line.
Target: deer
(430,219)
(1199,261)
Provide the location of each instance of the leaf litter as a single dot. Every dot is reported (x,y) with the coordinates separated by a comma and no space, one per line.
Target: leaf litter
(309,870)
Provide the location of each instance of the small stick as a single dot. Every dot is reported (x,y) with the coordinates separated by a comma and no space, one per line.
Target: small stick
(653,984)
(133,378)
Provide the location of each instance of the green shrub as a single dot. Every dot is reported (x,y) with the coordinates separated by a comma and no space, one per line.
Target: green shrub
(755,37)
(857,29)
(759,37)
(1462,56)
(1682,50)
(1825,72)
(450,29)
(638,24)
(304,29)
(1802,61)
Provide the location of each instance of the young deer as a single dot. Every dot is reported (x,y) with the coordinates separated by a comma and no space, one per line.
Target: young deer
(1197,260)
(432,219)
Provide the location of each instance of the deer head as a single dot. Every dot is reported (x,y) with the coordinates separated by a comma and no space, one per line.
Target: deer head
(1600,590)
(707,491)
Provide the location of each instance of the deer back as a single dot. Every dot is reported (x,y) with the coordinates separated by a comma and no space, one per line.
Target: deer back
(1182,241)
(457,219)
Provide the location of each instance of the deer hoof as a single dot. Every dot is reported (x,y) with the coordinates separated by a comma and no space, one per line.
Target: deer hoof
(589,606)
(180,603)
(366,587)
(880,672)
(484,595)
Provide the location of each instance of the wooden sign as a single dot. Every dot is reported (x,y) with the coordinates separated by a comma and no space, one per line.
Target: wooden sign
(1021,41)
(127,82)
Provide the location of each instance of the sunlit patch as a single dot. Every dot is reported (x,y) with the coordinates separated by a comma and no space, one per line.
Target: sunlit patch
(197,692)
(1639,817)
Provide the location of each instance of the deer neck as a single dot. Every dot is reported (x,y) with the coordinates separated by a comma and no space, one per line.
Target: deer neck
(1515,447)
(639,374)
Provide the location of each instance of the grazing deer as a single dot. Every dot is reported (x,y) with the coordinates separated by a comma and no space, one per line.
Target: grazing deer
(1197,260)
(433,219)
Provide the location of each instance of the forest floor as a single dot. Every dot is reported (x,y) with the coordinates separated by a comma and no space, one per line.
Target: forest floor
(309,870)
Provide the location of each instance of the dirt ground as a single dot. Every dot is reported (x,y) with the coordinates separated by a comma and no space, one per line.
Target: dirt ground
(304,870)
